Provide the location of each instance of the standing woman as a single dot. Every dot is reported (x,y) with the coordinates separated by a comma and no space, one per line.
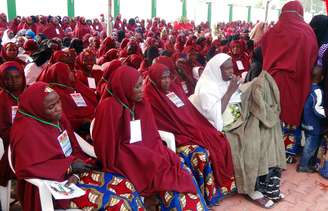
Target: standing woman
(204,150)
(130,145)
(44,146)
(12,84)
(287,43)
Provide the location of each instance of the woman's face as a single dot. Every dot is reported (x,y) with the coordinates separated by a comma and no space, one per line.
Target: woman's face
(13,80)
(88,61)
(11,51)
(138,90)
(165,81)
(236,50)
(52,106)
(227,70)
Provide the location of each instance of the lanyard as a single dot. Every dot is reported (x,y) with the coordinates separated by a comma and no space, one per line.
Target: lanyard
(41,120)
(63,85)
(123,104)
(11,95)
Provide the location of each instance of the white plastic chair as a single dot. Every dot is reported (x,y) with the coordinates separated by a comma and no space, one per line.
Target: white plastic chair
(4,191)
(44,193)
(169,139)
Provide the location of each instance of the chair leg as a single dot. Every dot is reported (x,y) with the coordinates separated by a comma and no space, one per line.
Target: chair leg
(5,197)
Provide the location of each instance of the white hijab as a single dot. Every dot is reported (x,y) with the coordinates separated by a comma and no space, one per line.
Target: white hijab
(6,39)
(209,91)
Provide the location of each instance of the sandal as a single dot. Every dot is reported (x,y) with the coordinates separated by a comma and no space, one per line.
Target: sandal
(259,199)
(280,198)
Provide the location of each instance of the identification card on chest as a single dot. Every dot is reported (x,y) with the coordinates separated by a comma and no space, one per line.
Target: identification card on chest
(78,100)
(65,143)
(135,131)
(240,65)
(91,83)
(14,110)
(175,99)
(184,87)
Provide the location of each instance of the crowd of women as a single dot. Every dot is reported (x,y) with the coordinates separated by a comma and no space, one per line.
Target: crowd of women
(235,126)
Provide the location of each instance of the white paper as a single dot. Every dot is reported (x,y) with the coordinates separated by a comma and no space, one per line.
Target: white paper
(57,31)
(135,131)
(91,83)
(195,72)
(175,99)
(184,87)
(78,99)
(240,65)
(59,191)
(14,110)
(65,143)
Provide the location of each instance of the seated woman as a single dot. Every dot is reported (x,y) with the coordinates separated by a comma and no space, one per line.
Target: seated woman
(44,146)
(12,84)
(204,150)
(9,52)
(130,145)
(77,99)
(84,69)
(255,135)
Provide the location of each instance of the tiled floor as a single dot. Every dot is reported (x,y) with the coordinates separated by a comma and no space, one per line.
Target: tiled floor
(304,192)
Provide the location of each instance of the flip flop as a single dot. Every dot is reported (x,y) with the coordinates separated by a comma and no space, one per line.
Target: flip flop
(261,201)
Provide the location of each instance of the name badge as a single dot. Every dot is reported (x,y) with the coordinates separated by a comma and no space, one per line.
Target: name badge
(91,83)
(97,27)
(135,131)
(57,31)
(240,65)
(14,110)
(184,87)
(65,143)
(175,99)
(78,100)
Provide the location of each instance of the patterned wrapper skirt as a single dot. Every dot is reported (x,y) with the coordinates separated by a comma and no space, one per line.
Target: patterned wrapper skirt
(106,191)
(322,158)
(292,139)
(198,160)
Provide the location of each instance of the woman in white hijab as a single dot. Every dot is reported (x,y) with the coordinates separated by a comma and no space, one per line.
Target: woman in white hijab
(257,148)
(215,88)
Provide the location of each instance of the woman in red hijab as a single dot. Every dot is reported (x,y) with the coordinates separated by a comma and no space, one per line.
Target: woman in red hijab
(240,60)
(10,53)
(84,69)
(44,146)
(12,84)
(204,150)
(81,28)
(108,56)
(109,68)
(53,29)
(78,101)
(290,51)
(130,145)
(107,44)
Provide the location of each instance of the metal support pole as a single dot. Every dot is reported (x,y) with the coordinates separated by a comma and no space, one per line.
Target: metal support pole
(11,8)
(230,12)
(70,8)
(209,13)
(109,19)
(153,8)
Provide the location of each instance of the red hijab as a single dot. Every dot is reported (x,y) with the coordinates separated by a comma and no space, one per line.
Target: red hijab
(161,167)
(109,68)
(81,29)
(107,44)
(108,56)
(82,73)
(290,50)
(5,56)
(34,145)
(7,101)
(51,30)
(58,76)
(239,56)
(188,125)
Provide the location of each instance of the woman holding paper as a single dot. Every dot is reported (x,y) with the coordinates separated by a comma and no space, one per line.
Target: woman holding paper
(44,146)
(12,84)
(127,142)
(204,150)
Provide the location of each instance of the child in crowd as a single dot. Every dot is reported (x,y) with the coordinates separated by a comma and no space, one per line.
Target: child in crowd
(312,117)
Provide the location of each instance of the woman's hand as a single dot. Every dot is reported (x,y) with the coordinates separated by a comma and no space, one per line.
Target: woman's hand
(234,84)
(74,179)
(79,166)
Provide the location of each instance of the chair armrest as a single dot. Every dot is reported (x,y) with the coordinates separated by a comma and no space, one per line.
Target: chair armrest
(2,148)
(85,146)
(169,139)
(44,193)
